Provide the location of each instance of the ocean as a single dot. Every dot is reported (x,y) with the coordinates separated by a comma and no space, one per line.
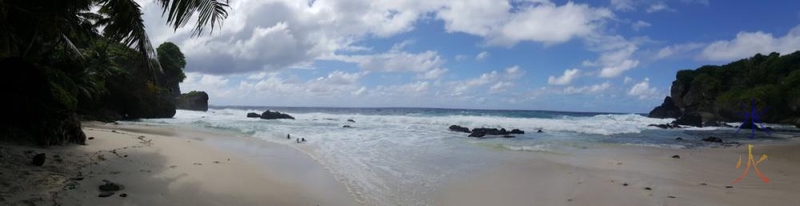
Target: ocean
(399,156)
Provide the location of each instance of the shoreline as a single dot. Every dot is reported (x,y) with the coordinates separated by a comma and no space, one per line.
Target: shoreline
(168,166)
(171,165)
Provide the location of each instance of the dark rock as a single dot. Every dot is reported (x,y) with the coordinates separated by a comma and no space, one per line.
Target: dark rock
(477,133)
(671,196)
(508,136)
(625,184)
(712,139)
(194,100)
(275,115)
(676,156)
(703,183)
(665,126)
(253,115)
(647,188)
(666,110)
(109,186)
(490,131)
(729,187)
(38,160)
(539,131)
(516,131)
(347,126)
(690,119)
(123,195)
(679,139)
(105,194)
(457,128)
(351,120)
(91,138)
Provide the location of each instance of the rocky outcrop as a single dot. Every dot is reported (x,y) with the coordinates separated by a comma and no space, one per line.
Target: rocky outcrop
(712,139)
(481,132)
(196,101)
(253,115)
(722,93)
(275,115)
(457,128)
(666,110)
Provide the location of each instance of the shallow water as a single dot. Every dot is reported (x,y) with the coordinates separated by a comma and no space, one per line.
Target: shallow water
(401,155)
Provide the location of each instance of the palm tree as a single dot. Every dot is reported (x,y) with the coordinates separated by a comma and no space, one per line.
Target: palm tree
(33,28)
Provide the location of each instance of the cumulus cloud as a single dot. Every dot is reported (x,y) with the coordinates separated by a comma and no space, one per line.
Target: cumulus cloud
(658,6)
(643,90)
(627,80)
(616,55)
(565,79)
(587,89)
(481,56)
(638,25)
(514,72)
(749,43)
(432,74)
(500,86)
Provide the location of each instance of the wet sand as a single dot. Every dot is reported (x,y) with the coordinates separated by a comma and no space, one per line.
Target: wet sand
(167,166)
(597,176)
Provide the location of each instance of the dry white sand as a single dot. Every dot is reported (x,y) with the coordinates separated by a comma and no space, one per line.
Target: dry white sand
(168,166)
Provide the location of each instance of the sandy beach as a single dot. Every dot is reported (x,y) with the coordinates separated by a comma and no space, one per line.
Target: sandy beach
(166,166)
(159,165)
(632,175)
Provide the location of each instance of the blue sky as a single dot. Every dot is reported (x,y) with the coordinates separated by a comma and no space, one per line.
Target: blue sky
(613,56)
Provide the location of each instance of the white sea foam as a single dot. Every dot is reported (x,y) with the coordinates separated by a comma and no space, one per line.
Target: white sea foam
(399,159)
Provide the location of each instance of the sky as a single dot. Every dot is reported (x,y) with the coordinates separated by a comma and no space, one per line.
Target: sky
(600,56)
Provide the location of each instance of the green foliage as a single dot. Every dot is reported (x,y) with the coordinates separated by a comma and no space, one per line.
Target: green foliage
(771,80)
(172,62)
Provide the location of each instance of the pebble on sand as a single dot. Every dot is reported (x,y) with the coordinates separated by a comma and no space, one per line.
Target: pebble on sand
(676,156)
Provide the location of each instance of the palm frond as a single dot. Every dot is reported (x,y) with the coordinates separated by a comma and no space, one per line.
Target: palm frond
(124,24)
(180,12)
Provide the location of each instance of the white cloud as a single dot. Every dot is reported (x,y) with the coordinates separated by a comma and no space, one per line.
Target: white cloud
(616,55)
(659,6)
(461,57)
(565,79)
(432,74)
(638,25)
(514,72)
(550,24)
(587,89)
(643,90)
(677,49)
(622,5)
(428,63)
(459,87)
(500,86)
(342,78)
(704,2)
(481,56)
(749,43)
(410,89)
(627,80)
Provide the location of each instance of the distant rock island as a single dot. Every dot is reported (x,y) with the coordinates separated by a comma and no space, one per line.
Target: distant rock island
(194,100)
(709,95)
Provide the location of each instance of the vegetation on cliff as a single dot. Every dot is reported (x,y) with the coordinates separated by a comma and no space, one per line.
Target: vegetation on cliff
(88,56)
(719,92)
